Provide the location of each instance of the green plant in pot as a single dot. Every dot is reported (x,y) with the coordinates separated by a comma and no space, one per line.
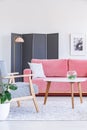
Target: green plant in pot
(5,97)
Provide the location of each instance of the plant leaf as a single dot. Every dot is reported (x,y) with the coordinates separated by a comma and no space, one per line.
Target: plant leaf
(8,95)
(3,98)
(12,87)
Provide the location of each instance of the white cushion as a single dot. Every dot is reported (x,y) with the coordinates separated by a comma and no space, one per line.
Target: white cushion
(37,70)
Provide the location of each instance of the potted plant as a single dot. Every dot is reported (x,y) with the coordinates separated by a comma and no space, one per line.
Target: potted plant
(5,97)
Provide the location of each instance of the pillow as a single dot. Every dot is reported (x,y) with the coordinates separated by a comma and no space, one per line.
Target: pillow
(37,70)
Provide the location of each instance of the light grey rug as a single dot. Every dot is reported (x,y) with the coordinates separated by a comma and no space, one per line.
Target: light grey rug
(57,108)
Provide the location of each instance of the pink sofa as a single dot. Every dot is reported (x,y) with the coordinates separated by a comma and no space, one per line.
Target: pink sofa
(59,68)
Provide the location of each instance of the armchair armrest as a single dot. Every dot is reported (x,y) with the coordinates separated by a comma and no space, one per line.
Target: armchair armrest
(13,73)
(12,77)
(18,76)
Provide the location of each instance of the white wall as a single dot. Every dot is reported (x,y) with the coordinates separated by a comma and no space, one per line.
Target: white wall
(41,16)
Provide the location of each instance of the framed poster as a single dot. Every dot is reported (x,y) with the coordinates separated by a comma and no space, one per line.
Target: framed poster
(78,44)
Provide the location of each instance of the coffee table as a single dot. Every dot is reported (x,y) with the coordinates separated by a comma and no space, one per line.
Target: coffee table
(71,81)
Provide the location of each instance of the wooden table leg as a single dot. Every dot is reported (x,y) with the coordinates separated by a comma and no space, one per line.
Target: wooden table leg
(46,93)
(72,95)
(80,91)
(18,102)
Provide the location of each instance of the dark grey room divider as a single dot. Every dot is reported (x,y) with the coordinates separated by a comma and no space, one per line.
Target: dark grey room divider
(38,46)
(34,47)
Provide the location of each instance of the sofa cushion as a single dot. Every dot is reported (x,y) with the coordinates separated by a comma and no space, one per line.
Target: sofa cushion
(37,70)
(53,67)
(80,66)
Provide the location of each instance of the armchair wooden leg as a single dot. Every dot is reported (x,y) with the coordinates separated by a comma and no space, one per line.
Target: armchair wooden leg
(46,93)
(33,95)
(35,103)
(18,103)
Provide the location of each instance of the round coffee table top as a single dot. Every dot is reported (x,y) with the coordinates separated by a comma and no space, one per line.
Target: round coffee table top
(56,79)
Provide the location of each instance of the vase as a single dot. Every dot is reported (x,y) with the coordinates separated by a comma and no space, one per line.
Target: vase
(71,74)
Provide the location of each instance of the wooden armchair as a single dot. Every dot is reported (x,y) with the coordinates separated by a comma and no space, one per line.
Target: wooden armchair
(25,91)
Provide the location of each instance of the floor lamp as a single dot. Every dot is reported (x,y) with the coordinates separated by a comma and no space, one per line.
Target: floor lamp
(17,40)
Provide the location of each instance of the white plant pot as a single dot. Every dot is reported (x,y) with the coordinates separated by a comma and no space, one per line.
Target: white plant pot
(4,110)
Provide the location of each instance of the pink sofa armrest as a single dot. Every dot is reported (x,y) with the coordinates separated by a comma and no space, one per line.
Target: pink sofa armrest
(26,71)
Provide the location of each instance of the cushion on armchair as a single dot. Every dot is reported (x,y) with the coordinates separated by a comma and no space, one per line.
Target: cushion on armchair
(23,90)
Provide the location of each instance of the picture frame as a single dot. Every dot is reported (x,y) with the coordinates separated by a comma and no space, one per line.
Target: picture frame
(78,44)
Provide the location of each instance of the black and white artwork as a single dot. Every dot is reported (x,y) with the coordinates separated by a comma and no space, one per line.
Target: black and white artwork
(78,44)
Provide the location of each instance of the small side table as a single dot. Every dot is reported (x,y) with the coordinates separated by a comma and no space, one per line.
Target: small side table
(71,81)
